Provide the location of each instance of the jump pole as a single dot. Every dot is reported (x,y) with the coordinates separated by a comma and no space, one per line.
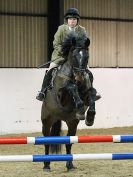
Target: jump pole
(71,157)
(67,139)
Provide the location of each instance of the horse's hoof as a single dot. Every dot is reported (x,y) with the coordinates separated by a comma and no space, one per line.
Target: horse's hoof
(71,169)
(46,169)
(89,121)
(70,166)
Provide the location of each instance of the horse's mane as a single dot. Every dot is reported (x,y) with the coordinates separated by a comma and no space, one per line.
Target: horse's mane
(73,40)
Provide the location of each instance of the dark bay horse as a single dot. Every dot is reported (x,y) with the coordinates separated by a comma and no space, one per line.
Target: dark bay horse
(68,96)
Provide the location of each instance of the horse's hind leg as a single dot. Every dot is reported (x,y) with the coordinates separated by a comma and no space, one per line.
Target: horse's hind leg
(72,128)
(46,125)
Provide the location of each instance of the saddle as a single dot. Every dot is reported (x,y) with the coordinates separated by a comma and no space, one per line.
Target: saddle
(53,73)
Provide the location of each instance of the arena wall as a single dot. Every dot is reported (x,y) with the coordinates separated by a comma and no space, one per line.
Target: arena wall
(20,111)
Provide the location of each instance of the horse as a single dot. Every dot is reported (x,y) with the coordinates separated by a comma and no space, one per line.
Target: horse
(68,97)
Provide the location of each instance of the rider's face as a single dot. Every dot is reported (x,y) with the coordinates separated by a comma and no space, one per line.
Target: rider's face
(72,22)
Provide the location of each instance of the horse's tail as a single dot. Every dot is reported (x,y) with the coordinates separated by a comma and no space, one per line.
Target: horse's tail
(56,131)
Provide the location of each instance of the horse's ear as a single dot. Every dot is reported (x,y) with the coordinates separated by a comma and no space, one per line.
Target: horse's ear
(87,42)
(73,41)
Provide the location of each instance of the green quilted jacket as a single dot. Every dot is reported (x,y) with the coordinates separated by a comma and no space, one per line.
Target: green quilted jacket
(59,37)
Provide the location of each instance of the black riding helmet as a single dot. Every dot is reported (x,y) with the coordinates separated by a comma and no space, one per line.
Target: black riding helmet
(72,13)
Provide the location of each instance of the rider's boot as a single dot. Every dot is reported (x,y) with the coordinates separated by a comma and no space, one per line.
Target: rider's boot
(41,95)
(46,82)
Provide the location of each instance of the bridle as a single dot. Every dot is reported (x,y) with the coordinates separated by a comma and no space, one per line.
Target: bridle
(80,69)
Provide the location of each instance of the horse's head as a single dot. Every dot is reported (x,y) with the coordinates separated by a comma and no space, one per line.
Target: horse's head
(76,50)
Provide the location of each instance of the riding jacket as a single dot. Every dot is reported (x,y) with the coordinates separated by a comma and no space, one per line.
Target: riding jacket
(62,32)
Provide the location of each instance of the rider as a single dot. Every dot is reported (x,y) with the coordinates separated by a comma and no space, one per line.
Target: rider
(72,24)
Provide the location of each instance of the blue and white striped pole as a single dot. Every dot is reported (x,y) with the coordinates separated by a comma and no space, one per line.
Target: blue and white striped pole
(64,157)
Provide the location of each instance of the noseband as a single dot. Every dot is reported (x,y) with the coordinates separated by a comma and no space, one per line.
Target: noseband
(76,69)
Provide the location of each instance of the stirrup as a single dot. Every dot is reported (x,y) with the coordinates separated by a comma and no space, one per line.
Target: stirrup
(40,96)
(98,96)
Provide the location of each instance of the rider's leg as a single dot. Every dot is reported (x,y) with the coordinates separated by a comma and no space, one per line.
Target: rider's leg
(46,81)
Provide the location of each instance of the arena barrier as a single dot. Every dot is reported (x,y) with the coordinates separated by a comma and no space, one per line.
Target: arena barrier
(64,157)
(67,139)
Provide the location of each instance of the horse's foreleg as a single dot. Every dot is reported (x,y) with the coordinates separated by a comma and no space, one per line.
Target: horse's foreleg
(73,90)
(69,164)
(72,128)
(46,132)
(46,163)
(91,111)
